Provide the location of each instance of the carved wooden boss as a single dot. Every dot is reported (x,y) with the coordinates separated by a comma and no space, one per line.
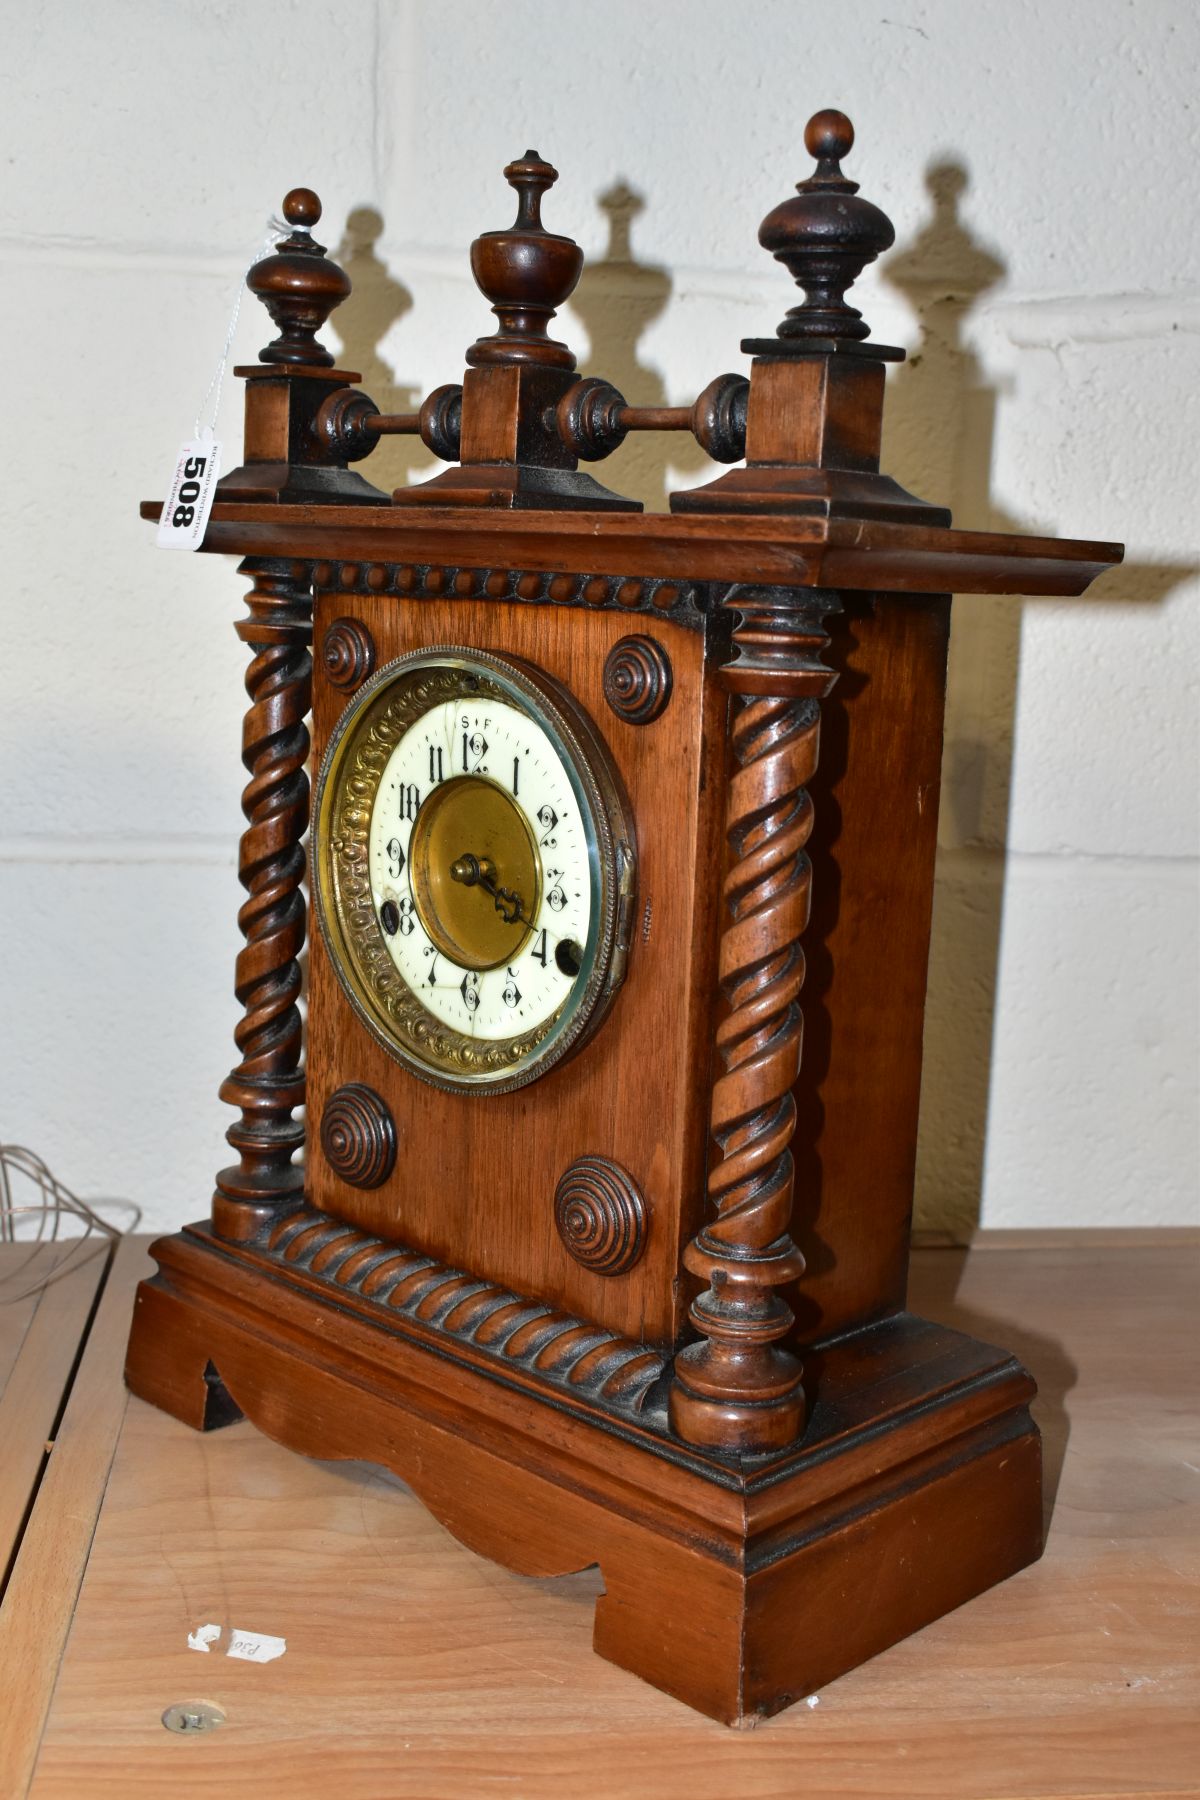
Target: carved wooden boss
(572,1214)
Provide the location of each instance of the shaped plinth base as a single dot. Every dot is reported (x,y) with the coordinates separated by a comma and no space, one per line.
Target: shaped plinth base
(802,492)
(297,484)
(284,466)
(521,486)
(738,1587)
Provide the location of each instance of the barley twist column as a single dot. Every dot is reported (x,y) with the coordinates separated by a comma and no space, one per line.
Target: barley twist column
(268,1083)
(737,1390)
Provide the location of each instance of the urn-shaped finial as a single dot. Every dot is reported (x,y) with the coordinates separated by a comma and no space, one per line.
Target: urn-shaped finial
(526,272)
(299,286)
(826,236)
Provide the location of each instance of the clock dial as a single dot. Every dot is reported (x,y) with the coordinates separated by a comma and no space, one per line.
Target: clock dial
(474,868)
(478,849)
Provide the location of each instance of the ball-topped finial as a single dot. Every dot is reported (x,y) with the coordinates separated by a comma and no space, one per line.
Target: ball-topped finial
(302,208)
(299,286)
(825,237)
(829,135)
(526,272)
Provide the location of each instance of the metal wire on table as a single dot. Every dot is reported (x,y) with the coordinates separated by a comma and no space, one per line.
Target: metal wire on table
(57,1229)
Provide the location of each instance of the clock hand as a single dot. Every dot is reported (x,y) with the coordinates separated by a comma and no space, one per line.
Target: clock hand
(475,871)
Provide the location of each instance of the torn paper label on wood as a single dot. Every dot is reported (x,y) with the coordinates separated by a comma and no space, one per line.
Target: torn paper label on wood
(254,1646)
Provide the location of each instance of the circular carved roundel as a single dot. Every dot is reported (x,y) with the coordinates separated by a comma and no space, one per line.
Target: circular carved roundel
(600,1215)
(358,1136)
(348,653)
(637,679)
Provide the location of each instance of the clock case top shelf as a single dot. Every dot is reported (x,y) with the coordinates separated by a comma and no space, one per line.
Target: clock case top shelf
(804,587)
(786,550)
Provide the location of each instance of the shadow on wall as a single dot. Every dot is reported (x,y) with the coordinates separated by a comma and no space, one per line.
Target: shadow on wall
(618,299)
(377,300)
(939,430)
(938,441)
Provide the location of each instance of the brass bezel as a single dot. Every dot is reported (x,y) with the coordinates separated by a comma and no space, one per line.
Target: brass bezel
(382,712)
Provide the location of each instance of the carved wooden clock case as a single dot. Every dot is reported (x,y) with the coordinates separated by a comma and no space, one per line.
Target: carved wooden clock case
(572,1215)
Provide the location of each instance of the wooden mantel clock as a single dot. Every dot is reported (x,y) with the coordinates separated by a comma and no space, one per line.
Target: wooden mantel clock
(579,1247)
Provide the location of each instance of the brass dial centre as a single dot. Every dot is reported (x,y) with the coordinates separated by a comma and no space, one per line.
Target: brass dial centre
(476,872)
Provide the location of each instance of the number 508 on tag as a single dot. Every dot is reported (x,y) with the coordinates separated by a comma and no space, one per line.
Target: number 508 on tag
(189,502)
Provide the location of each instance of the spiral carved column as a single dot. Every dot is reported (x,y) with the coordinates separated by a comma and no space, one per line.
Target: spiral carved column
(268,1083)
(737,1390)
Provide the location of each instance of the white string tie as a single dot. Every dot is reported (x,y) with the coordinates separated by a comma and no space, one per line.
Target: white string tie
(275,228)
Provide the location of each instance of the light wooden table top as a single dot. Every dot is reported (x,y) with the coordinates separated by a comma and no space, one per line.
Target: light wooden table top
(414,1668)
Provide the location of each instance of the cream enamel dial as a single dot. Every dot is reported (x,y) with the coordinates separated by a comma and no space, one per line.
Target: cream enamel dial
(474,868)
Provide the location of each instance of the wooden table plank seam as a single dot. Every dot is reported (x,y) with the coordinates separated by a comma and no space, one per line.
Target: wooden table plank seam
(35,1396)
(50,1564)
(415,1668)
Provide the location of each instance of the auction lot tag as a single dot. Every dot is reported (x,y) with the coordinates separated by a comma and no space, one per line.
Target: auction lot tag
(190,497)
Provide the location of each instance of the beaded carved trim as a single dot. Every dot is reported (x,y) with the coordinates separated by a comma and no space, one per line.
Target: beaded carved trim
(683,601)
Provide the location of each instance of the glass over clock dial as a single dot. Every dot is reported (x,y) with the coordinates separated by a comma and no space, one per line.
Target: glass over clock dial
(474,867)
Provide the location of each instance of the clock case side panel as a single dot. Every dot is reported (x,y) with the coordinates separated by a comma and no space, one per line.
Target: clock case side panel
(873,851)
(475,1174)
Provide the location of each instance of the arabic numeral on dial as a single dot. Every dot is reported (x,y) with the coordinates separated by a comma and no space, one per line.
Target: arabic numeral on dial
(395,855)
(435,765)
(539,952)
(469,989)
(409,800)
(555,898)
(512,993)
(548,820)
(431,953)
(516,776)
(408,920)
(474,749)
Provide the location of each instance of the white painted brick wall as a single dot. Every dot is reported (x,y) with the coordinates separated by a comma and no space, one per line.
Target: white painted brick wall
(1050,291)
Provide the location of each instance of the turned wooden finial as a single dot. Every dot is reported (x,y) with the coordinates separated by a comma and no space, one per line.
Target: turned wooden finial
(526,272)
(826,237)
(299,286)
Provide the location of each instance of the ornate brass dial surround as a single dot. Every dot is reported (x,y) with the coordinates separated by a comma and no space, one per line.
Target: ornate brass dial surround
(381,713)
